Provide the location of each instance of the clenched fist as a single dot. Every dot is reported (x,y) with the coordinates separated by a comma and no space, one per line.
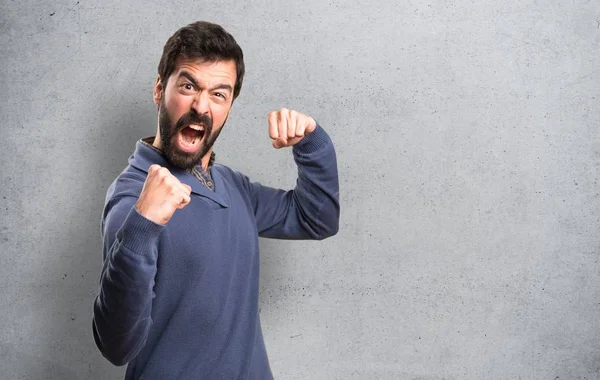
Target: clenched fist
(287,127)
(162,195)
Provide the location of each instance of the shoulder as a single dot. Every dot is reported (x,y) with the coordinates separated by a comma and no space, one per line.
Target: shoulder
(231,176)
(227,172)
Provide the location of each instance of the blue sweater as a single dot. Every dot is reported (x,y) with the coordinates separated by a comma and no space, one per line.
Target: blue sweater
(180,301)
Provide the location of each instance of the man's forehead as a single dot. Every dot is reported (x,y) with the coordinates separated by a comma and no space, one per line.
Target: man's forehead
(224,69)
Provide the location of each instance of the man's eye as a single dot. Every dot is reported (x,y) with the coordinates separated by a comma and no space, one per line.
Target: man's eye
(220,95)
(188,86)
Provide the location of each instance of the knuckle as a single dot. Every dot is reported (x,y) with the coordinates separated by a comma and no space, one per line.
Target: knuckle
(167,184)
(164,174)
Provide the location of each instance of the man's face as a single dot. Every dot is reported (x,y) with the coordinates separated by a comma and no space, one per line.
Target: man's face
(193,107)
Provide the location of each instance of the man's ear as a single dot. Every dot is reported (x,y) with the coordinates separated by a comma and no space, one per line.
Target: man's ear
(158,92)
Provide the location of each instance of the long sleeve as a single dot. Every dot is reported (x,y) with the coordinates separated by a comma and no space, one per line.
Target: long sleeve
(122,309)
(311,210)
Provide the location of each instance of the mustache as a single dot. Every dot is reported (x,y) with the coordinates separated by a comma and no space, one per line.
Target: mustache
(193,118)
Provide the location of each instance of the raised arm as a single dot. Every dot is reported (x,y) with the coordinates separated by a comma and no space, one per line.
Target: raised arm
(311,210)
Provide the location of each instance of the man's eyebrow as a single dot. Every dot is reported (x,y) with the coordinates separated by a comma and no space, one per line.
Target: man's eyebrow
(223,86)
(220,86)
(189,77)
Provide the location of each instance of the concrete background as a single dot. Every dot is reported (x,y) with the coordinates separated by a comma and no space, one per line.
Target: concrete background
(469,152)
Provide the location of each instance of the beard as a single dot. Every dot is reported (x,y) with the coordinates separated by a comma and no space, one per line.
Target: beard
(169,134)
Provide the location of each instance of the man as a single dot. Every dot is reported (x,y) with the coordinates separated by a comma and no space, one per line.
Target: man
(179,287)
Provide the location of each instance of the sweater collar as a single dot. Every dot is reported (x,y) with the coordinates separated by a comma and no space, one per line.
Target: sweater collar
(146,155)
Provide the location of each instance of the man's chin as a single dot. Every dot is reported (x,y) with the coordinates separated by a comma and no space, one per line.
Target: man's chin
(183,160)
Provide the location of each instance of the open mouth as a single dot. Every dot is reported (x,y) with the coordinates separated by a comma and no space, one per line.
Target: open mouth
(189,138)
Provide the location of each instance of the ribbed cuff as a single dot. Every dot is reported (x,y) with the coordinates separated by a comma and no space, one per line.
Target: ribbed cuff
(139,233)
(313,141)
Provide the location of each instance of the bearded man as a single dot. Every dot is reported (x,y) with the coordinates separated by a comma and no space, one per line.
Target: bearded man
(179,286)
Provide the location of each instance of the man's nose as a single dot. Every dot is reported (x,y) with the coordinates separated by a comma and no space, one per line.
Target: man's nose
(201,103)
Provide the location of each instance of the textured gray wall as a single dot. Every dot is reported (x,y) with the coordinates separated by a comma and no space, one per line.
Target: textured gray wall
(469,152)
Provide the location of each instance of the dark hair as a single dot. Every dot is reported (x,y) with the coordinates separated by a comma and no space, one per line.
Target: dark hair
(203,40)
